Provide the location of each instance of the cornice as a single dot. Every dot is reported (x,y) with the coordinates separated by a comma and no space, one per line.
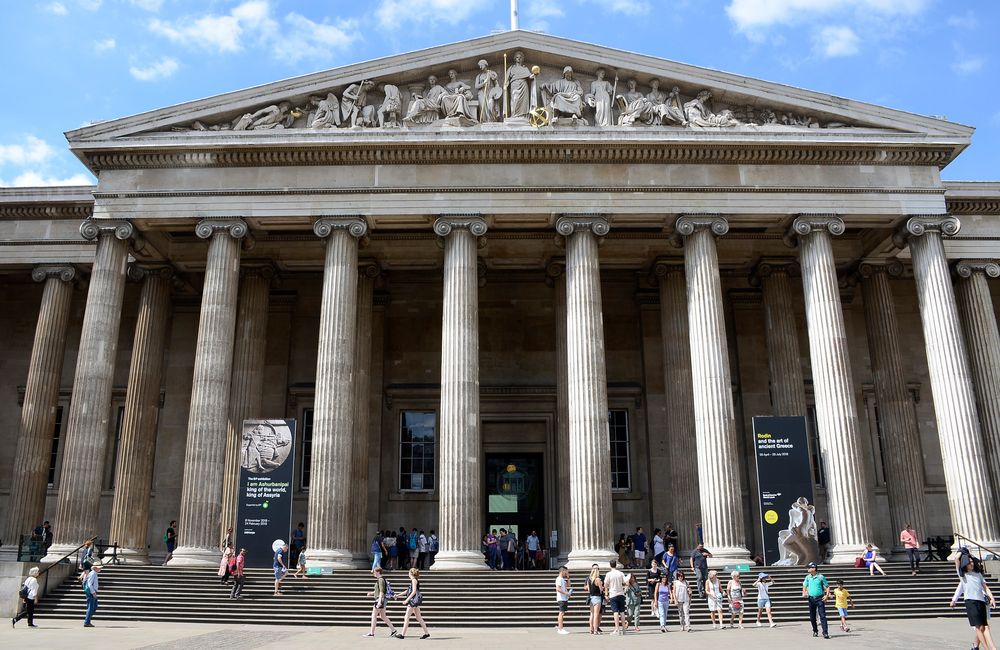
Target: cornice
(966,206)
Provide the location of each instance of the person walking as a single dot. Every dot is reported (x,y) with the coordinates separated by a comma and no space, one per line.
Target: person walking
(670,537)
(911,543)
(716,607)
(300,564)
(563,592)
(639,549)
(817,590)
(227,541)
(842,601)
(652,583)
(390,544)
(533,545)
(421,551)
(492,549)
(434,545)
(680,596)
(595,598)
(85,558)
(614,589)
(734,589)
(658,546)
(699,567)
(170,540)
(382,592)
(763,584)
(28,594)
(870,557)
(280,567)
(239,575)
(823,538)
(973,588)
(662,600)
(90,588)
(376,549)
(633,602)
(670,562)
(411,546)
(227,555)
(413,599)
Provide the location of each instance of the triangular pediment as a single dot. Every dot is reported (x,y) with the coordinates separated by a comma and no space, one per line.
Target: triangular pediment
(400,99)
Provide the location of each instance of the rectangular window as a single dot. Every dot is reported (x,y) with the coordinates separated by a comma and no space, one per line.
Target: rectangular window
(56,439)
(416,450)
(618,434)
(307,436)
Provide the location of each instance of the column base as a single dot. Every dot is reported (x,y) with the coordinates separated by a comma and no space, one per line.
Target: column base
(361,561)
(57,551)
(459,561)
(338,559)
(130,556)
(721,556)
(584,558)
(195,556)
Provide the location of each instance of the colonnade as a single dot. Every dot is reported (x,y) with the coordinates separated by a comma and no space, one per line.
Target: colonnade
(699,395)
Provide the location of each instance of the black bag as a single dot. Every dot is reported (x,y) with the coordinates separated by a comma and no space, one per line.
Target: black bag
(23,594)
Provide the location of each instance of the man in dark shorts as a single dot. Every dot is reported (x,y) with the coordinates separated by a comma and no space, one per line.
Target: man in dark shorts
(614,589)
(563,593)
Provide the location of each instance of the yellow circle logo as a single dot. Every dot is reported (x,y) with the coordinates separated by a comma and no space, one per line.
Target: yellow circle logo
(771,517)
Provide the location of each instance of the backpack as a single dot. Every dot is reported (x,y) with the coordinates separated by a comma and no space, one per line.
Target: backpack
(23,594)
(389,593)
(376,547)
(412,541)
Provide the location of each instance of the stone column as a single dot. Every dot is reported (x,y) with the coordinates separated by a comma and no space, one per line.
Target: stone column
(587,394)
(90,409)
(784,362)
(247,390)
(714,419)
(460,487)
(979,321)
(133,479)
(330,521)
(208,415)
(556,272)
(836,408)
(685,499)
(966,470)
(29,473)
(904,476)
(368,271)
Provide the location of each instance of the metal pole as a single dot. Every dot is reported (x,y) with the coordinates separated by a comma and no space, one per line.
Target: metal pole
(513,15)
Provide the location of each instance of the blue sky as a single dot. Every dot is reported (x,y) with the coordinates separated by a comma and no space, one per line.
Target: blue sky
(70,62)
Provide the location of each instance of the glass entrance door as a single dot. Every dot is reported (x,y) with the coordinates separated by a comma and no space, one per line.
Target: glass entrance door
(515,497)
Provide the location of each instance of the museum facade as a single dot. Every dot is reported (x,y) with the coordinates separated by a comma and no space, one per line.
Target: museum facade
(515,281)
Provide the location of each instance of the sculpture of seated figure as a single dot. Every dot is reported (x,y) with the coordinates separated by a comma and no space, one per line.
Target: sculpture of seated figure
(455,101)
(426,107)
(564,97)
(671,111)
(327,115)
(699,116)
(637,108)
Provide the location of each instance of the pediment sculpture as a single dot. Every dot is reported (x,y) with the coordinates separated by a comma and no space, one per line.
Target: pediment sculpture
(516,97)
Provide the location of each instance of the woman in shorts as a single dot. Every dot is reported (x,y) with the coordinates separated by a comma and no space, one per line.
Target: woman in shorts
(763,584)
(977,593)
(595,598)
(735,591)
(713,591)
(412,599)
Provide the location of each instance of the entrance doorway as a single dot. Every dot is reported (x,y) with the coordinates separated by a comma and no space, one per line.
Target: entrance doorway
(515,493)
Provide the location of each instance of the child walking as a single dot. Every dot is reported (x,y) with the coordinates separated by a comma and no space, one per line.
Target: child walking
(843,600)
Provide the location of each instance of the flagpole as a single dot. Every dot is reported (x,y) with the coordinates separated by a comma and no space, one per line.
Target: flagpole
(513,15)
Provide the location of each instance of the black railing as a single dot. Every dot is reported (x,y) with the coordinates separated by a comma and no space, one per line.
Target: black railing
(979,547)
(62,559)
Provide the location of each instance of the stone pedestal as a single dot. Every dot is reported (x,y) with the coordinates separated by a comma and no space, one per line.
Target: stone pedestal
(836,408)
(368,271)
(247,390)
(715,424)
(90,409)
(897,420)
(587,394)
(966,473)
(29,475)
(134,474)
(330,479)
(208,417)
(784,361)
(460,483)
(556,272)
(685,499)
(982,340)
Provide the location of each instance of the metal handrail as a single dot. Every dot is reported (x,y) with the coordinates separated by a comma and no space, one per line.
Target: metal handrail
(981,548)
(45,571)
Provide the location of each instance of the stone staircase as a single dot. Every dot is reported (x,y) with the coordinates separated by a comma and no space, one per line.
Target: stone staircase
(458,599)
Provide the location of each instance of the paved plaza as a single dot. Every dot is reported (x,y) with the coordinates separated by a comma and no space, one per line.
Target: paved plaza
(936,633)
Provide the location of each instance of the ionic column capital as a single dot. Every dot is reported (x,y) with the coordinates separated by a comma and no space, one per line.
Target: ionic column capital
(91,229)
(768,266)
(805,224)
(258,269)
(968,268)
(664,267)
(688,224)
(568,224)
(870,268)
(369,269)
(918,225)
(235,228)
(64,272)
(138,272)
(445,224)
(355,225)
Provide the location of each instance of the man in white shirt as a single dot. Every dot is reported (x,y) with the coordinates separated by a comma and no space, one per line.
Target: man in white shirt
(563,593)
(90,587)
(614,588)
(533,546)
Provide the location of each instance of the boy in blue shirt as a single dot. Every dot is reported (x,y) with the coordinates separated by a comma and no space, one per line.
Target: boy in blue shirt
(817,590)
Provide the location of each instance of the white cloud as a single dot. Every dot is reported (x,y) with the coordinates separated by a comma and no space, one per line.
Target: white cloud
(37,179)
(148,5)
(306,38)
(535,15)
(628,7)
(968,64)
(219,33)
(968,20)
(90,5)
(33,151)
(105,45)
(836,40)
(391,14)
(751,16)
(56,8)
(155,71)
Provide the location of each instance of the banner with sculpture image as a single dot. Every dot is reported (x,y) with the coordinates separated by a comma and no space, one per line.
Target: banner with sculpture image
(785,489)
(264,507)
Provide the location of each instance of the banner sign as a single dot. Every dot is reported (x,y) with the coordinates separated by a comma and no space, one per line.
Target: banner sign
(264,507)
(785,487)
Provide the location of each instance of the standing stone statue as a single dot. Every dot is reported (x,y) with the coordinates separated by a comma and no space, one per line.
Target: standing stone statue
(327,115)
(391,108)
(564,96)
(455,100)
(699,115)
(518,82)
(354,104)
(270,117)
(490,92)
(600,99)
(426,107)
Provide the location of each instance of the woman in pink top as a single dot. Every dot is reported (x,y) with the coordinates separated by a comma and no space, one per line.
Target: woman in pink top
(912,545)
